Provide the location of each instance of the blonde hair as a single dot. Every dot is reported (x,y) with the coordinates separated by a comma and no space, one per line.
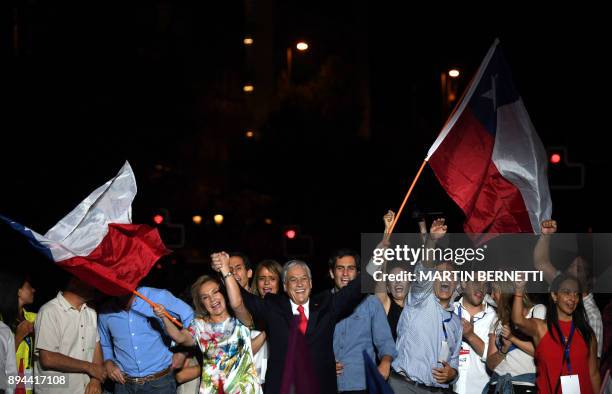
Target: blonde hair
(272,266)
(195,293)
(504,307)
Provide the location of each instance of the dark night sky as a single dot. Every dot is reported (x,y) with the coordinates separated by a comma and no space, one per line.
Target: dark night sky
(158,83)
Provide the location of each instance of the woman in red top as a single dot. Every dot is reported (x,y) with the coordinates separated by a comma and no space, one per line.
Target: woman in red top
(566,322)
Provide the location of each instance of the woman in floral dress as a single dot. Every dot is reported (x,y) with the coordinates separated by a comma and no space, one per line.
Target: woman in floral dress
(225,340)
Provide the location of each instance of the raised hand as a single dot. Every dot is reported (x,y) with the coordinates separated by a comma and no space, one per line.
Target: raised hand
(220,262)
(548,227)
(388,220)
(438,229)
(519,287)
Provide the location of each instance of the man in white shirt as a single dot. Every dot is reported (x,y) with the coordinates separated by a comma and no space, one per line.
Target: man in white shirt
(476,317)
(67,345)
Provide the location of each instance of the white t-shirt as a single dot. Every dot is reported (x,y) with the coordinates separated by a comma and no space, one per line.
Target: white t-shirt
(8,364)
(473,374)
(517,362)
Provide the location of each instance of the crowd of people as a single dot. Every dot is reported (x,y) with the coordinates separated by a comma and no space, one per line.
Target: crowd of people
(424,336)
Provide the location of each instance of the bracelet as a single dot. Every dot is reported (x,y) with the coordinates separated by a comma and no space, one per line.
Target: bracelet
(228,274)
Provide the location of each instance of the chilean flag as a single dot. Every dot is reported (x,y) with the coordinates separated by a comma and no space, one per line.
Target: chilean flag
(97,243)
(489,158)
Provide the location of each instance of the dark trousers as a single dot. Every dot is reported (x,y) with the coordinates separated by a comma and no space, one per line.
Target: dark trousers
(518,389)
(164,385)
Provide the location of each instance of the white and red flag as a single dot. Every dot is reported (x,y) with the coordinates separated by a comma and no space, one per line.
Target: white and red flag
(489,158)
(97,242)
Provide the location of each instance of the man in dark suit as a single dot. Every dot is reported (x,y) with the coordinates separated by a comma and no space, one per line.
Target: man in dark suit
(317,317)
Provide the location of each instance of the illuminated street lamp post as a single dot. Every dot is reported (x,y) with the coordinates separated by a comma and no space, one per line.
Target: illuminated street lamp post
(301,46)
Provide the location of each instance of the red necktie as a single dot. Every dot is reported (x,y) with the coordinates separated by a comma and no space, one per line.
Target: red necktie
(303,320)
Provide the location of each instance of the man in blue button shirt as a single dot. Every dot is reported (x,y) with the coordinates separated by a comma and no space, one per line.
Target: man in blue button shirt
(136,349)
(429,333)
(364,329)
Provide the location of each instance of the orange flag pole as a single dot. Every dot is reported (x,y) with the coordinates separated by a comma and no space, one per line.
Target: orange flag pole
(399,211)
(148,301)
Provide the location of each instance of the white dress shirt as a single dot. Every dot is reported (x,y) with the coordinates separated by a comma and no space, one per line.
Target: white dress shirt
(294,308)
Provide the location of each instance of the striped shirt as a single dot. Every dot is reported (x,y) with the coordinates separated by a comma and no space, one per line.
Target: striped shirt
(424,324)
(594,317)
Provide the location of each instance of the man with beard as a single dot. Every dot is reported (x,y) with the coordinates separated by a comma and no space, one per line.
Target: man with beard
(476,318)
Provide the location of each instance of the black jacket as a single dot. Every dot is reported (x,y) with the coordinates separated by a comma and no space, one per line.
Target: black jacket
(325,310)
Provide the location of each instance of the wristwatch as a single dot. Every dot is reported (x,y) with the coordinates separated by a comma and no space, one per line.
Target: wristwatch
(228,274)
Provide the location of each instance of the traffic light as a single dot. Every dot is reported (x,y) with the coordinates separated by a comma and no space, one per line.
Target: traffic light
(295,243)
(290,234)
(172,234)
(562,173)
(555,158)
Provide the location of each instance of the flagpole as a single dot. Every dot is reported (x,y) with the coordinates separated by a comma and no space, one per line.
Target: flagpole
(399,211)
(148,301)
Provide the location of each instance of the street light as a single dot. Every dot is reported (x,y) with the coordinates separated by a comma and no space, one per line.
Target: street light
(248,88)
(301,46)
(449,82)
(248,41)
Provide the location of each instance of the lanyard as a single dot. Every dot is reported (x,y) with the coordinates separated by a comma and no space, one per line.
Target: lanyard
(566,347)
(474,318)
(444,325)
(499,344)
